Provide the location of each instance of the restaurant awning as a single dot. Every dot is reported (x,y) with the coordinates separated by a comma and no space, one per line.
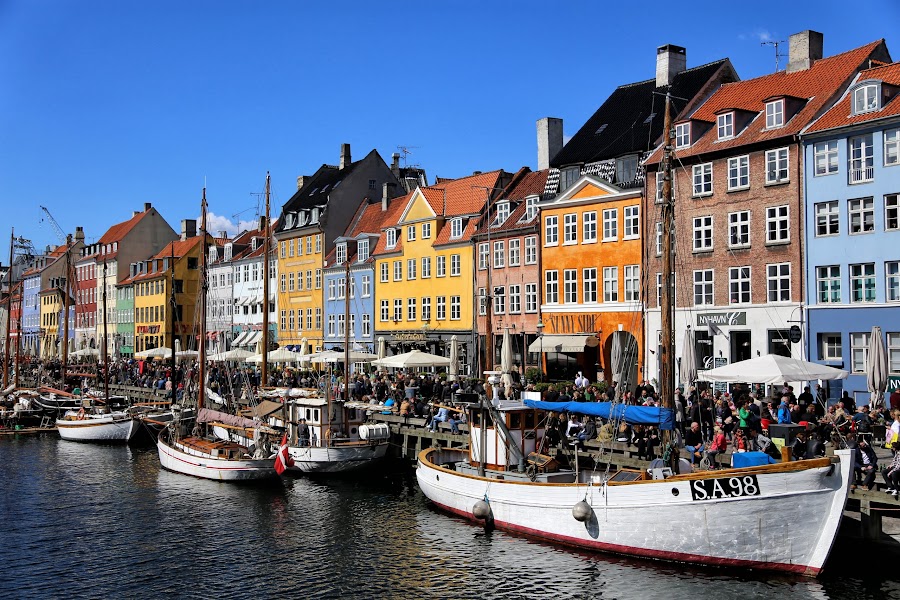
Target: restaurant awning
(557,342)
(240,340)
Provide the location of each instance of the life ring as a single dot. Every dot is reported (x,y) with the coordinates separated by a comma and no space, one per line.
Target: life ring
(80,415)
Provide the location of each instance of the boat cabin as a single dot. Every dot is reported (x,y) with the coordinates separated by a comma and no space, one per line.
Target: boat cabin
(343,422)
(525,427)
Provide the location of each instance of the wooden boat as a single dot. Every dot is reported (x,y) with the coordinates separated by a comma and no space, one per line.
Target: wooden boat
(90,425)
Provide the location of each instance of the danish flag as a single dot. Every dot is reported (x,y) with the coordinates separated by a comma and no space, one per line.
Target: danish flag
(283,459)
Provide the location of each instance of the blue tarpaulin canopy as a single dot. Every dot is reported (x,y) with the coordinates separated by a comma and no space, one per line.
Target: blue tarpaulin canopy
(664,418)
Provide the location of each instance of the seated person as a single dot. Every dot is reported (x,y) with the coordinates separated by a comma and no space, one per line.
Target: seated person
(866,465)
(588,432)
(693,442)
(443,415)
(718,445)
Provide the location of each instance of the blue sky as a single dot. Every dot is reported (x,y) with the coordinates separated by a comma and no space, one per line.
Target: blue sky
(105,105)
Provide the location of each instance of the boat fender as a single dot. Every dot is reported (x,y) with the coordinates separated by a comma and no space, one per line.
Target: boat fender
(481,510)
(582,511)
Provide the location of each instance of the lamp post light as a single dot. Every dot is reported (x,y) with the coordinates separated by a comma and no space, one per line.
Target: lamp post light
(540,332)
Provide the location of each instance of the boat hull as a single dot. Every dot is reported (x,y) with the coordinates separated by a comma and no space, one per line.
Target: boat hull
(336,459)
(178,459)
(108,428)
(789,526)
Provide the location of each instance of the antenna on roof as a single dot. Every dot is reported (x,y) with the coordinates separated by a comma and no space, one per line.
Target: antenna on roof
(776,44)
(405,151)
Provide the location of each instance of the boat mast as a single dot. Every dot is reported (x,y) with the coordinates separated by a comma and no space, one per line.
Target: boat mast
(104,352)
(65,340)
(201,374)
(347,331)
(264,374)
(667,300)
(6,353)
(18,334)
(173,304)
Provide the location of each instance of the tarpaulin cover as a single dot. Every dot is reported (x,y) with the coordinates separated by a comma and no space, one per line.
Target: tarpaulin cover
(633,415)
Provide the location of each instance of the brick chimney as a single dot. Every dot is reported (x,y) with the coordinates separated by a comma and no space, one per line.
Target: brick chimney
(805,48)
(188,228)
(345,156)
(549,140)
(79,234)
(147,206)
(301,181)
(670,61)
(395,164)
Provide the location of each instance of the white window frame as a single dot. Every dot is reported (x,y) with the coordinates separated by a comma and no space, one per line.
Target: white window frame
(484,251)
(703,233)
(891,152)
(702,180)
(366,325)
(482,301)
(778,282)
(499,254)
(410,233)
(863,280)
(385,271)
(531,298)
(632,274)
(441,267)
(682,135)
(398,270)
(778,224)
(659,232)
(891,212)
(859,351)
(426,308)
(859,209)
(515,254)
(531,207)
(531,244)
(456,228)
(441,308)
(426,267)
(828,218)
(739,173)
(570,286)
(391,238)
(411,264)
(740,290)
(610,284)
(893,352)
(589,227)
(426,231)
(455,265)
(340,255)
(832,347)
(362,250)
(610,224)
(725,126)
(515,299)
(739,229)
(775,114)
(411,309)
(892,281)
(865,98)
(632,222)
(398,310)
(570,229)
(825,158)
(551,230)
(861,159)
(499,300)
(704,287)
(455,308)
(589,285)
(778,166)
(551,286)
(366,286)
(828,284)
(502,213)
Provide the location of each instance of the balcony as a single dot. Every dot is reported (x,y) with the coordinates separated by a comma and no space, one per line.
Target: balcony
(862,175)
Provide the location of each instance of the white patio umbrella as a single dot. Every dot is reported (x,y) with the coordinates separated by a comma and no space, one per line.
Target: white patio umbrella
(771,369)
(876,368)
(282,355)
(235,354)
(453,371)
(355,356)
(382,348)
(321,357)
(161,352)
(304,347)
(506,360)
(85,352)
(416,358)
(688,360)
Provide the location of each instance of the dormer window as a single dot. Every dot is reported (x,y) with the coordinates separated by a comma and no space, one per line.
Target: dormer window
(341,254)
(315,214)
(213,254)
(531,207)
(456,228)
(568,177)
(362,250)
(725,125)
(229,247)
(391,235)
(775,114)
(865,98)
(682,135)
(254,244)
(626,168)
(502,213)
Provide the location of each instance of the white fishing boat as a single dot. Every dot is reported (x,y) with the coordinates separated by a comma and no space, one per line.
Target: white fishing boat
(97,426)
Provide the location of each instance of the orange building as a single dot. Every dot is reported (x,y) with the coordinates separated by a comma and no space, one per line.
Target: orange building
(592,306)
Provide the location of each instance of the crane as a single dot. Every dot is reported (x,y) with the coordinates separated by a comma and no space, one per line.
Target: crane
(63,238)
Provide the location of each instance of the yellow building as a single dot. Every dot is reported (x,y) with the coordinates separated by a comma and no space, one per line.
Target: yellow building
(51,307)
(300,286)
(424,278)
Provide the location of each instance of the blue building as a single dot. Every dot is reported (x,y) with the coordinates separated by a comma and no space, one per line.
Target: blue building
(852,185)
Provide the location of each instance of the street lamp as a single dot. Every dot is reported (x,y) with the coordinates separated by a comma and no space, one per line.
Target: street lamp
(540,332)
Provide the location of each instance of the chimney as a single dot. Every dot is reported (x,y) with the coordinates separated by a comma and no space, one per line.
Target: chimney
(549,140)
(147,206)
(188,228)
(79,234)
(805,48)
(384,196)
(670,61)
(135,213)
(345,156)
(395,164)
(262,222)
(301,181)
(223,235)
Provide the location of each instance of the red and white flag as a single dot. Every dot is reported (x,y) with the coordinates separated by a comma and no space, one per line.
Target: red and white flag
(283,459)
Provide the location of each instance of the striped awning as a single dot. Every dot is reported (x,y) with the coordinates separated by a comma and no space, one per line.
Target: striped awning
(240,340)
(554,342)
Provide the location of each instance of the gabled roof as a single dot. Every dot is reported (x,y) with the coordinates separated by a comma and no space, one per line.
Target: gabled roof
(819,84)
(463,196)
(839,115)
(525,183)
(388,218)
(631,119)
(176,248)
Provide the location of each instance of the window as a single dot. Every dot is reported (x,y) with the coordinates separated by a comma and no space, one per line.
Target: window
(589,285)
(318,278)
(551,230)
(570,229)
(862,215)
(366,284)
(725,125)
(626,168)
(454,265)
(531,207)
(499,255)
(610,284)
(483,252)
(341,254)
(703,233)
(455,308)
(659,231)
(309,318)
(398,309)
(777,166)
(341,288)
(703,288)
(825,157)
(284,318)
(340,325)
(515,299)
(739,173)
(456,228)
(862,161)
(828,284)
(828,221)
(384,272)
(502,213)
(703,179)
(551,287)
(531,299)
(891,147)
(331,289)
(398,270)
(372,184)
(862,282)
(531,250)
(739,285)
(632,222)
(865,99)
(739,229)
(778,282)
(411,309)
(774,114)
(366,325)
(610,224)
(441,307)
(499,300)
(318,243)
(283,282)
(831,347)
(777,225)
(426,308)
(441,266)
(632,283)
(426,231)
(482,301)
(589,227)
(682,135)
(859,351)
(291,282)
(568,177)
(362,250)
(570,286)
(426,267)
(892,281)
(893,348)
(391,235)
(514,252)
(331,328)
(410,233)
(891,207)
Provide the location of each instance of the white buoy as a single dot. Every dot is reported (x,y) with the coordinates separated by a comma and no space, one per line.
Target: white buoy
(582,511)
(481,510)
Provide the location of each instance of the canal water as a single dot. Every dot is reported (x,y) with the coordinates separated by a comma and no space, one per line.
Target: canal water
(85,521)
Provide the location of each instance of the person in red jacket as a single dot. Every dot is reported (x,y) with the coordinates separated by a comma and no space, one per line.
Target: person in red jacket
(718,444)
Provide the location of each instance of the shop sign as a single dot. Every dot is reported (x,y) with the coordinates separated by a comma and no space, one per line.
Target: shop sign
(722,318)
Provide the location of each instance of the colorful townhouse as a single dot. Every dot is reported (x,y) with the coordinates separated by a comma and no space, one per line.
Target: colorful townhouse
(53,306)
(507,276)
(852,229)
(424,267)
(85,294)
(246,260)
(738,189)
(310,221)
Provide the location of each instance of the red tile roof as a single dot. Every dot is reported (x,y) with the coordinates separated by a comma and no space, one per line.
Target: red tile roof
(839,115)
(463,196)
(525,183)
(383,220)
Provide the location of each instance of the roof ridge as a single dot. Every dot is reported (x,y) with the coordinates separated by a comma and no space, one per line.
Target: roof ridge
(653,79)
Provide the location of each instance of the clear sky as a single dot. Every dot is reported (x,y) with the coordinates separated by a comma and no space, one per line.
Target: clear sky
(105,105)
